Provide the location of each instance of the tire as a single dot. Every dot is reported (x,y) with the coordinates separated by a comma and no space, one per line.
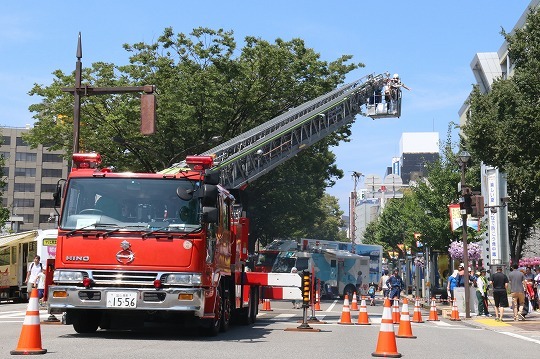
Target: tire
(85,322)
(348,290)
(254,304)
(226,313)
(214,325)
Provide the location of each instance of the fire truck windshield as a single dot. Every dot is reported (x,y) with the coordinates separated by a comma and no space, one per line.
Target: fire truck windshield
(130,204)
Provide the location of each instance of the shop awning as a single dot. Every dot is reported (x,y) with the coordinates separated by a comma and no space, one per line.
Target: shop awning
(14,238)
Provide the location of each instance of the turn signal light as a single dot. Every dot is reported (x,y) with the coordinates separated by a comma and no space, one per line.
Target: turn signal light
(185,296)
(59,294)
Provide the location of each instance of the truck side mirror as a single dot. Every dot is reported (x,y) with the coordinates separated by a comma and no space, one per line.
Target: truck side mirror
(209,215)
(212,177)
(209,195)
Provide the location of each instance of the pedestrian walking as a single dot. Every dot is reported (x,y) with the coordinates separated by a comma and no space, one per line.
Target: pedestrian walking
(382,283)
(482,293)
(395,283)
(452,284)
(499,283)
(517,290)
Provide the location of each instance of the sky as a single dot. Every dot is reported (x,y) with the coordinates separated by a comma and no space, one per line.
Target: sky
(430,44)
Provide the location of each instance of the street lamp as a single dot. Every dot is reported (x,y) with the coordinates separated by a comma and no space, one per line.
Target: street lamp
(462,159)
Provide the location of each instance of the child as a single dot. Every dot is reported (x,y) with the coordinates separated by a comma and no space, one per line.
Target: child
(40,285)
(371,292)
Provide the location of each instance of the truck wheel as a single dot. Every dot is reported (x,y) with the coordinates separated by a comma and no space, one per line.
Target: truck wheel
(226,312)
(85,322)
(349,290)
(214,324)
(254,304)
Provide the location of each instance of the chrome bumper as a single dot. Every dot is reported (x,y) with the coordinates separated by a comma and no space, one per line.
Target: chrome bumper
(147,299)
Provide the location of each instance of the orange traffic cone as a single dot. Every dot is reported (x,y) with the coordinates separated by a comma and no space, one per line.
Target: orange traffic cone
(363,318)
(455,312)
(354,303)
(433,316)
(317,305)
(417,315)
(266,306)
(30,339)
(395,311)
(346,312)
(405,329)
(386,344)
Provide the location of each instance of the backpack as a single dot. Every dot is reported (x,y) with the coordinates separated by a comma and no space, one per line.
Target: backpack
(32,266)
(371,290)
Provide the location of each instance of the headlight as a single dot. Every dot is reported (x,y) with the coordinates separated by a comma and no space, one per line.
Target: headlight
(68,276)
(183,279)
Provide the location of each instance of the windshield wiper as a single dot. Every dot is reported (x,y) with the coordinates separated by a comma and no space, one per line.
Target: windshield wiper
(147,234)
(95,225)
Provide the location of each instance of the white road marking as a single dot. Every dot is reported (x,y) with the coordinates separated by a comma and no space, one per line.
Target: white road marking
(521,337)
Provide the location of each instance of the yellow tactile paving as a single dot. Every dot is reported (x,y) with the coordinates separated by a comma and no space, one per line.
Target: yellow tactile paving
(492,322)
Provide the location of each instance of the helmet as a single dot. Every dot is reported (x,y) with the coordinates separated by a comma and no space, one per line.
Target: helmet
(396,76)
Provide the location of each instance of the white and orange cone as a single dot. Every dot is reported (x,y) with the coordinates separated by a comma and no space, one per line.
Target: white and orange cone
(417,315)
(386,343)
(363,318)
(30,339)
(395,311)
(455,312)
(346,312)
(354,303)
(405,328)
(266,306)
(433,316)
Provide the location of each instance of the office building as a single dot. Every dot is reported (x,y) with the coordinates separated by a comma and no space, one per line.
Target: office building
(416,149)
(31,175)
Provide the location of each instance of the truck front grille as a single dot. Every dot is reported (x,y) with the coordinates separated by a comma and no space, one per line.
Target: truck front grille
(122,278)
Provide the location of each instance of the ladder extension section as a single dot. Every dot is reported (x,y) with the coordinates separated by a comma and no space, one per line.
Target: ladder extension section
(252,154)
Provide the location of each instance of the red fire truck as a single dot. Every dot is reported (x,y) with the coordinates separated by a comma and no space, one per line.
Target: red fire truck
(137,247)
(172,245)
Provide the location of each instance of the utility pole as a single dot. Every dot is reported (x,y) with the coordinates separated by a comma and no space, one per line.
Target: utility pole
(463,159)
(352,211)
(148,100)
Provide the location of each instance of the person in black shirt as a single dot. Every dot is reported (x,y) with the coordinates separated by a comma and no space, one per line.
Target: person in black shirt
(499,283)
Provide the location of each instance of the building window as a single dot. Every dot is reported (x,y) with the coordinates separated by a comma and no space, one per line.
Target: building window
(48,187)
(51,172)
(5,154)
(24,187)
(5,171)
(28,218)
(46,203)
(50,157)
(25,172)
(25,156)
(21,142)
(23,202)
(45,218)
(6,140)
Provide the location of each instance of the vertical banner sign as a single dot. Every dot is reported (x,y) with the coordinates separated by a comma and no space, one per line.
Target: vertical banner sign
(493,228)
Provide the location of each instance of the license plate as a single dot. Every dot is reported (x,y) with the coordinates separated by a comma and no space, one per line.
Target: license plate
(121,300)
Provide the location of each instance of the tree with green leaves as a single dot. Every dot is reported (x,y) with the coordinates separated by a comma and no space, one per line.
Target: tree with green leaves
(503,130)
(206,87)
(424,207)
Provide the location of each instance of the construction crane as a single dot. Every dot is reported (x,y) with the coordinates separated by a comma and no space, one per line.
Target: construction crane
(251,154)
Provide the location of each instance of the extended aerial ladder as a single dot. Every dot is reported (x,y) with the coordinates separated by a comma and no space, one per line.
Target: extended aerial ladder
(253,153)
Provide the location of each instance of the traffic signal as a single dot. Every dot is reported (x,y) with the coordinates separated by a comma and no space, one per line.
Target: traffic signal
(465,203)
(477,206)
(306,288)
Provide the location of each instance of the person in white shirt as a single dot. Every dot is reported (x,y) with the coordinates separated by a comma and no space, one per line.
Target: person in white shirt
(40,285)
(33,270)
(481,293)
